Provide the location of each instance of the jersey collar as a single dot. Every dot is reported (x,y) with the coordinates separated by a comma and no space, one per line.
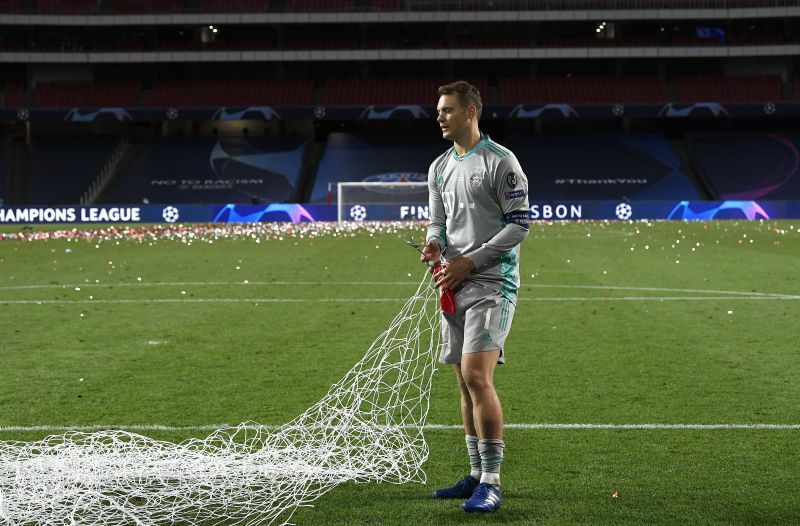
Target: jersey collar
(484,140)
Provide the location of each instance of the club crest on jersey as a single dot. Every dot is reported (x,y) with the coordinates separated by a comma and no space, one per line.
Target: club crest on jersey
(475,177)
(511,179)
(439,180)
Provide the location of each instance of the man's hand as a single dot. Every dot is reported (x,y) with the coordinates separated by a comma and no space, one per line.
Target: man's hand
(431,253)
(454,272)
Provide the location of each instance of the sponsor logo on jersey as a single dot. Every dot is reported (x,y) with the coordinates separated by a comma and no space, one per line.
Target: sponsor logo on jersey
(475,177)
(511,179)
(515,194)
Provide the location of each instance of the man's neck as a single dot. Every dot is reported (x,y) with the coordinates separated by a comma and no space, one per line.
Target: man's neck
(467,143)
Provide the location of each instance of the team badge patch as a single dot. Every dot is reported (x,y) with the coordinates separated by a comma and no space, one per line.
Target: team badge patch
(475,177)
(511,179)
(439,180)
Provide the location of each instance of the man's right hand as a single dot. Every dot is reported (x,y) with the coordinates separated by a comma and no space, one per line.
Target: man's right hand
(431,253)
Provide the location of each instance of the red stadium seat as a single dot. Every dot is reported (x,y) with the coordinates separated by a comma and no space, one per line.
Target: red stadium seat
(86,94)
(14,94)
(231,93)
(147,6)
(10,6)
(234,6)
(354,92)
(738,88)
(312,6)
(581,90)
(67,7)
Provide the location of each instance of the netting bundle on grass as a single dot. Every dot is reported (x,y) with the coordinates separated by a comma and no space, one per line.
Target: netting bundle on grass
(368,427)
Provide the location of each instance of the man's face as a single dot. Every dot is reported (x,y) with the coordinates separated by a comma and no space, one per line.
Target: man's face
(453,118)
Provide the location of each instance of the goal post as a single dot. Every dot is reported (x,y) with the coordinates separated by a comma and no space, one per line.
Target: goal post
(359,201)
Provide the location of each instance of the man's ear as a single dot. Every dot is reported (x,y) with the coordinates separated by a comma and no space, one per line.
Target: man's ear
(472,112)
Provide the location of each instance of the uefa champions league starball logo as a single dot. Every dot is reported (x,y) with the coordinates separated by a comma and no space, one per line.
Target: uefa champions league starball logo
(358,213)
(172,113)
(624,211)
(23,114)
(170,214)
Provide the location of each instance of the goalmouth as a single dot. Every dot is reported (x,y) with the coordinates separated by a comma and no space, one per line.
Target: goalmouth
(353,199)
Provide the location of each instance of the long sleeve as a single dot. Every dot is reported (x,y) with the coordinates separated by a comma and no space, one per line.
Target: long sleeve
(437,219)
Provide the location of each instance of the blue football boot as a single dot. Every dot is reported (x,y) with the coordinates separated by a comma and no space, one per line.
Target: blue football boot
(486,498)
(462,489)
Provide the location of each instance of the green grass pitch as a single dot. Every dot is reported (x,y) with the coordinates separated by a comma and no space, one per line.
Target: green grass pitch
(617,323)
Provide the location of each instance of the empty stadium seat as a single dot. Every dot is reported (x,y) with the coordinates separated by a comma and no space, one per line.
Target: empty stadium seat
(147,6)
(581,90)
(234,6)
(62,167)
(311,6)
(67,7)
(231,93)
(735,88)
(86,94)
(354,92)
(14,94)
(10,6)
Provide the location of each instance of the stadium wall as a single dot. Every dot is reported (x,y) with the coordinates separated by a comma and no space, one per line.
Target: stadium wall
(297,213)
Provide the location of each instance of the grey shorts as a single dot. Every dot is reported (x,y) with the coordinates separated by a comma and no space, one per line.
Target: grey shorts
(480,323)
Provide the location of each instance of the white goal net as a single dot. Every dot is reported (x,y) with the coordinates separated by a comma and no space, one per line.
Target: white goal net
(354,200)
(368,427)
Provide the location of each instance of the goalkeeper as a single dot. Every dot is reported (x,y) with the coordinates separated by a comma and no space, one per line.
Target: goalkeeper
(478,217)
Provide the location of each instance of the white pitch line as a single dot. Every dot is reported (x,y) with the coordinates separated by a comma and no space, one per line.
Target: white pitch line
(429,427)
(371,283)
(382,300)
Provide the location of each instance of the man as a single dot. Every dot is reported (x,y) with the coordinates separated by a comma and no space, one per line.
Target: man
(478,217)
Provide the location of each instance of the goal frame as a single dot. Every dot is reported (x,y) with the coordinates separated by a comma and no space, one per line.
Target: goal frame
(339,186)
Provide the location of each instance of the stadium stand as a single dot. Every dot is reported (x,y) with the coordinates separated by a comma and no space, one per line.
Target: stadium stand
(10,6)
(746,166)
(67,7)
(581,90)
(311,6)
(796,94)
(3,172)
(234,6)
(212,170)
(591,41)
(478,42)
(309,43)
(387,5)
(147,6)
(357,158)
(356,92)
(14,94)
(86,94)
(740,88)
(608,166)
(405,43)
(63,166)
(231,93)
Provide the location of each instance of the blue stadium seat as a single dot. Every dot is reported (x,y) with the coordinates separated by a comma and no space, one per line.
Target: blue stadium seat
(63,166)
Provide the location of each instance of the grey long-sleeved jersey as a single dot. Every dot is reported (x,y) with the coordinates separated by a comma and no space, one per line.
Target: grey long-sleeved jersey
(478,207)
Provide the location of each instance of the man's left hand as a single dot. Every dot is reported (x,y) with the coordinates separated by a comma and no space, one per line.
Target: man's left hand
(454,272)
